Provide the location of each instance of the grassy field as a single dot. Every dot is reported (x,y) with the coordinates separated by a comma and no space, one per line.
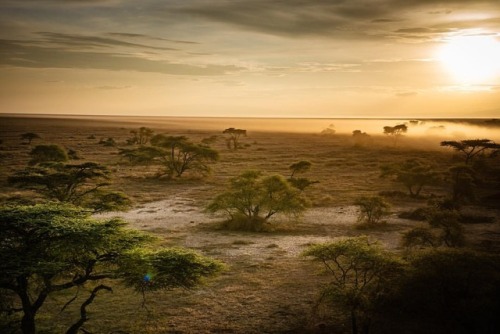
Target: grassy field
(267,286)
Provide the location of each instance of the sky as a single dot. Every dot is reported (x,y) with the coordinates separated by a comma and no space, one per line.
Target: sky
(251,58)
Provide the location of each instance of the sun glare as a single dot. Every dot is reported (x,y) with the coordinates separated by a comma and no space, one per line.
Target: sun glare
(471,59)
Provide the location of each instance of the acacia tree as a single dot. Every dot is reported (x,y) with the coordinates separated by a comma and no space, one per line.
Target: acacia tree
(395,131)
(30,136)
(141,136)
(254,198)
(49,248)
(234,137)
(414,174)
(81,184)
(471,148)
(48,153)
(175,153)
(361,274)
(300,183)
(371,209)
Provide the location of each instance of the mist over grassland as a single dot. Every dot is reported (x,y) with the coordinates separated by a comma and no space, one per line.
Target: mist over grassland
(431,129)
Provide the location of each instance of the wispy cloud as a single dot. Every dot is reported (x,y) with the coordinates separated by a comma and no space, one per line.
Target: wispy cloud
(30,54)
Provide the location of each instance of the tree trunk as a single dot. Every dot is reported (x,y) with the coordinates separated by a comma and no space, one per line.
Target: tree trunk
(354,323)
(28,322)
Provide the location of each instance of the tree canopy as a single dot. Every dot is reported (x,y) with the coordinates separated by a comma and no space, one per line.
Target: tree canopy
(414,174)
(256,198)
(176,154)
(234,137)
(48,153)
(395,131)
(471,148)
(54,247)
(81,184)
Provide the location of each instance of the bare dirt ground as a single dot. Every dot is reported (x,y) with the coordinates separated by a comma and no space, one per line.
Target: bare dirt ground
(267,287)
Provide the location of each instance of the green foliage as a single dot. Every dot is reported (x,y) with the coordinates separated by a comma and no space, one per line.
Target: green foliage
(255,198)
(54,247)
(471,148)
(420,237)
(48,153)
(29,136)
(414,174)
(79,184)
(177,155)
(361,273)
(372,209)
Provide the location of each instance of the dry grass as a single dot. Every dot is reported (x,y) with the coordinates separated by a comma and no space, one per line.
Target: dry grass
(267,287)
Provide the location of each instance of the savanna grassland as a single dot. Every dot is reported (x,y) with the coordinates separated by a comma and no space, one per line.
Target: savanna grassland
(266,286)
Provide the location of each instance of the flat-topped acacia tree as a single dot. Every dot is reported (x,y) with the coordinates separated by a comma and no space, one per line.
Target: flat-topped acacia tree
(234,137)
(471,148)
(176,154)
(49,248)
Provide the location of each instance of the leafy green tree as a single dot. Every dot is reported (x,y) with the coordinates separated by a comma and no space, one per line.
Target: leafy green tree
(414,174)
(471,148)
(361,274)
(255,198)
(177,155)
(80,184)
(372,209)
(233,141)
(30,136)
(420,237)
(47,153)
(49,248)
(396,131)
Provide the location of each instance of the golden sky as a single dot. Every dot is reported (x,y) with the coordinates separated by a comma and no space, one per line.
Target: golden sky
(251,58)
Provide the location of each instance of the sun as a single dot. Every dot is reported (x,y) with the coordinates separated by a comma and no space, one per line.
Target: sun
(471,59)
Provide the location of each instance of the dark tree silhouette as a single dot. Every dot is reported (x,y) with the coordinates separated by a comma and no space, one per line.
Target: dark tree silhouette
(299,167)
(141,136)
(471,148)
(234,137)
(395,131)
(48,153)
(49,248)
(30,136)
(360,138)
(414,174)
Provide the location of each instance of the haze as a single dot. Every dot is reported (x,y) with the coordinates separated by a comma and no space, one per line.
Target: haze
(251,58)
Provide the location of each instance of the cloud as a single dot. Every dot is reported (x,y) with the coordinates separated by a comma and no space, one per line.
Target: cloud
(131,35)
(29,54)
(84,41)
(335,19)
(406,94)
